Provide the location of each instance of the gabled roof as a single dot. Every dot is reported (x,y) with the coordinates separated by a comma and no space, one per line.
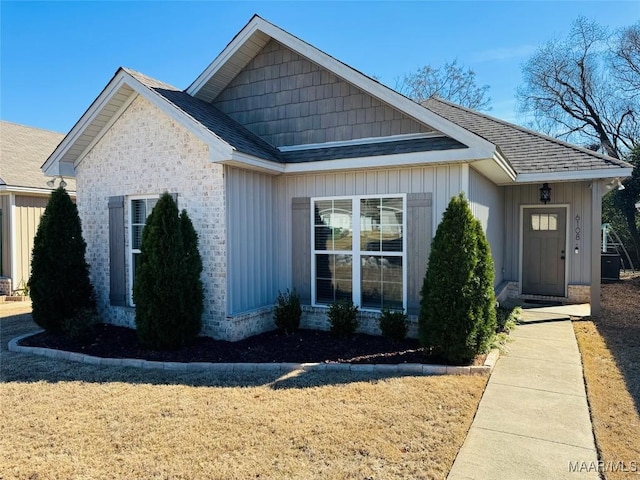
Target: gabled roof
(23,150)
(258,32)
(531,153)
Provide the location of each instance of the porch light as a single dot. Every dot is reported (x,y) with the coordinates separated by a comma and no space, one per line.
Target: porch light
(545,193)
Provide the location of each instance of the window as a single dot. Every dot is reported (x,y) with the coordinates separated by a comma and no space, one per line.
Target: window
(544,221)
(140,208)
(359,251)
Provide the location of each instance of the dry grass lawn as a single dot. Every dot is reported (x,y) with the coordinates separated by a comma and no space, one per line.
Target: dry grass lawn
(66,420)
(610,348)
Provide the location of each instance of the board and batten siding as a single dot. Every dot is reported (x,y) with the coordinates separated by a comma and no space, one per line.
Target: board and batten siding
(259,214)
(288,100)
(5,207)
(252,220)
(487,205)
(442,182)
(28,211)
(575,194)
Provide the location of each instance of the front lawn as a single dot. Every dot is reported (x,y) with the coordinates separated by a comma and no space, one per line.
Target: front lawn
(69,420)
(610,349)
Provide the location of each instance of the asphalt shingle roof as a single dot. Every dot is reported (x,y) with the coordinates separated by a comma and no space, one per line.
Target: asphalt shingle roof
(247,142)
(526,150)
(210,117)
(23,150)
(372,149)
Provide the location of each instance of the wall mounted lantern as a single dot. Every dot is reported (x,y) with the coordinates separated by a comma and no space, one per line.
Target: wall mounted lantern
(52,182)
(545,193)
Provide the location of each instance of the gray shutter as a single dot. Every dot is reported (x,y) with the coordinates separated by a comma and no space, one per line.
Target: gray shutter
(419,236)
(301,247)
(117,276)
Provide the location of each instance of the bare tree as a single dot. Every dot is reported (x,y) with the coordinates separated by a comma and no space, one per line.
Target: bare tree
(571,91)
(452,82)
(626,59)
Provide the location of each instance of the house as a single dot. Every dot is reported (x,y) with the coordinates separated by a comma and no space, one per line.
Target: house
(300,172)
(24,194)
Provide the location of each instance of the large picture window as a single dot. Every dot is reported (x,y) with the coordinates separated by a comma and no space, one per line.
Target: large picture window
(359,251)
(139,210)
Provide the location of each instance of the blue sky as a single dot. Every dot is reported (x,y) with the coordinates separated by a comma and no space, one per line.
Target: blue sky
(56,57)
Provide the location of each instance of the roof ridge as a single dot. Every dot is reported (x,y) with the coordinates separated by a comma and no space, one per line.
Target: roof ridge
(30,127)
(524,130)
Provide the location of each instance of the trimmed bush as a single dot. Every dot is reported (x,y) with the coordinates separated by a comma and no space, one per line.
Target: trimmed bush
(343,317)
(167,291)
(287,312)
(59,285)
(82,326)
(393,325)
(457,310)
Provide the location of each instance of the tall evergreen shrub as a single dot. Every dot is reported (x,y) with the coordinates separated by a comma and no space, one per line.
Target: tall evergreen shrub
(59,283)
(457,310)
(167,291)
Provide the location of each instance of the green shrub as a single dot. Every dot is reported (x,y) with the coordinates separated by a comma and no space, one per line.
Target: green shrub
(287,311)
(59,285)
(82,326)
(343,317)
(394,325)
(167,290)
(457,310)
(506,318)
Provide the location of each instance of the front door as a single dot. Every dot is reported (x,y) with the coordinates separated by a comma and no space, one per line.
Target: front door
(543,251)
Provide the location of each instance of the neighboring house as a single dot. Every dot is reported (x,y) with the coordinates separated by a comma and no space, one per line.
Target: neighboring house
(23,197)
(301,172)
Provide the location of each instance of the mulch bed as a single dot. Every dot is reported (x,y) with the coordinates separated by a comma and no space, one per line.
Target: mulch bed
(270,347)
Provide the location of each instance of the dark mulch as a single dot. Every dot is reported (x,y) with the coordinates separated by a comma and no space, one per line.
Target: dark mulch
(270,347)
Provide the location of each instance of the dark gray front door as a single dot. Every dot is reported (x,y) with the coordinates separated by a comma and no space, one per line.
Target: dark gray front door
(543,251)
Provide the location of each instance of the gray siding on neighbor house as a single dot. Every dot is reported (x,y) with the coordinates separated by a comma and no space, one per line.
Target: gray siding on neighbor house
(288,100)
(27,213)
(487,204)
(575,194)
(5,207)
(252,220)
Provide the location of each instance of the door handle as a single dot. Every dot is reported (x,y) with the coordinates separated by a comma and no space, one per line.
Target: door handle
(562,256)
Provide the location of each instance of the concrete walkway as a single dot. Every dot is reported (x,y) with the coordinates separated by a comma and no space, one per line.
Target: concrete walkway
(533,420)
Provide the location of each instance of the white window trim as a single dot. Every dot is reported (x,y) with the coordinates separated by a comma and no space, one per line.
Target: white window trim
(356,252)
(130,250)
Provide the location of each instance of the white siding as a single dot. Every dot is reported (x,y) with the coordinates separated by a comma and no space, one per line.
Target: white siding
(487,205)
(26,222)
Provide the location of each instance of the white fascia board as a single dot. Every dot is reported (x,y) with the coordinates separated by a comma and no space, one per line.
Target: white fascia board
(86,119)
(376,89)
(225,55)
(6,189)
(573,175)
(105,129)
(207,136)
(242,160)
(381,161)
(54,164)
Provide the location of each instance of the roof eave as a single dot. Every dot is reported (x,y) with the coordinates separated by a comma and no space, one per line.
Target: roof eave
(574,175)
(63,162)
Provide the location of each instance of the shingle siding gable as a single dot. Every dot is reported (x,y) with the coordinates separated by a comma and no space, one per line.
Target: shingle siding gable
(288,100)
